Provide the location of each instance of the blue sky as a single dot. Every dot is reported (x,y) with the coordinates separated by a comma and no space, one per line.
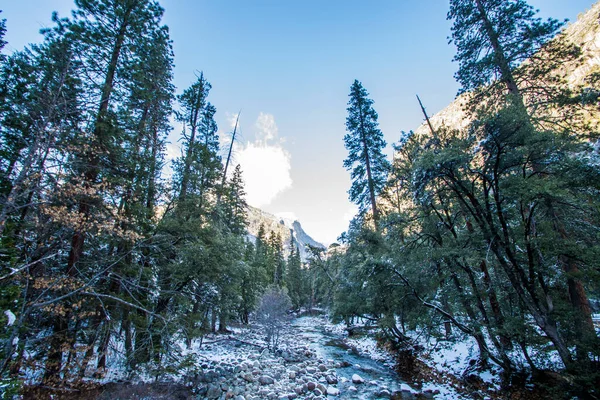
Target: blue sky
(288,65)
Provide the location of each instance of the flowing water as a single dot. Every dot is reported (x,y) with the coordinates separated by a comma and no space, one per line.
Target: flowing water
(331,346)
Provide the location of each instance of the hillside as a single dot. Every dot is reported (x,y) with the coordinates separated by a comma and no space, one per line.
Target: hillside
(585,33)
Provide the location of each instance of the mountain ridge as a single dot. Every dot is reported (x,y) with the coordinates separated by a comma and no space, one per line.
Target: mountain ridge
(286,228)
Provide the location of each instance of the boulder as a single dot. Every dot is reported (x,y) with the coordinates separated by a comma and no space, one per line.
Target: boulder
(214,392)
(357,379)
(405,388)
(331,379)
(266,380)
(321,387)
(331,391)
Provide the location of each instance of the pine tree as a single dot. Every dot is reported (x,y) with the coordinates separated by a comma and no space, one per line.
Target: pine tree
(295,280)
(364,142)
(200,166)
(493,37)
(2,33)
(276,259)
(234,202)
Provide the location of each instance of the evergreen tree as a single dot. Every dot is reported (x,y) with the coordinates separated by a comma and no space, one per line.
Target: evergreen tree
(365,144)
(234,202)
(506,33)
(295,279)
(493,37)
(2,33)
(276,259)
(201,163)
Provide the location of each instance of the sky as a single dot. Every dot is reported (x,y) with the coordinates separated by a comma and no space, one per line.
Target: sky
(288,66)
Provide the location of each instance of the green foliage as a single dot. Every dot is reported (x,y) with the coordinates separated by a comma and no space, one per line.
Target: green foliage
(365,144)
(493,37)
(296,277)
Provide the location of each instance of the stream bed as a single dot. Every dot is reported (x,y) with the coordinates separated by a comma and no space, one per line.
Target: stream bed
(380,380)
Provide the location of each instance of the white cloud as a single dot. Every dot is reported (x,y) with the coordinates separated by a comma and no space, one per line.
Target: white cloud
(267,129)
(265,163)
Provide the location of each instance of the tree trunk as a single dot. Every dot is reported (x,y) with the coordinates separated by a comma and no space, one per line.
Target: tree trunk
(54,360)
(92,171)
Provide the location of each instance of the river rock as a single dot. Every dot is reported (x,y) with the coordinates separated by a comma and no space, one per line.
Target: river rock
(331,391)
(321,387)
(322,367)
(356,378)
(311,386)
(352,389)
(214,392)
(266,380)
(292,375)
(384,393)
(331,379)
(317,392)
(405,388)
(311,370)
(248,377)
(299,390)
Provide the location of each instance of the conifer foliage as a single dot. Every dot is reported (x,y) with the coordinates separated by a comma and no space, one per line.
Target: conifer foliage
(365,144)
(485,231)
(98,251)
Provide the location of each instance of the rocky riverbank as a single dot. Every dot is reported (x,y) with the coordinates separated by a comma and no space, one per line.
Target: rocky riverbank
(314,360)
(240,367)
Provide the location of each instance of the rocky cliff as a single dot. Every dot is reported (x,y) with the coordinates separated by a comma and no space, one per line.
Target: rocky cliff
(286,228)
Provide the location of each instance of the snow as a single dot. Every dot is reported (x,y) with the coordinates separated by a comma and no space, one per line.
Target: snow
(11,317)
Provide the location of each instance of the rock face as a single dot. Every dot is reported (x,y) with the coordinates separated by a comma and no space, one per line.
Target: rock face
(286,228)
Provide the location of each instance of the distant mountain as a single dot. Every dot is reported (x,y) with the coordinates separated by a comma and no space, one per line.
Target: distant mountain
(285,227)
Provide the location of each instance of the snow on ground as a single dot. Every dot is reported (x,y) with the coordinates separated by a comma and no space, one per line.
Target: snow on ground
(449,357)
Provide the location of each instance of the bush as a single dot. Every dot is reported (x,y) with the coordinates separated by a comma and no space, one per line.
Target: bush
(273,313)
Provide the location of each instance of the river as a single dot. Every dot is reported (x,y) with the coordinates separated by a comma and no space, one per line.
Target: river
(380,379)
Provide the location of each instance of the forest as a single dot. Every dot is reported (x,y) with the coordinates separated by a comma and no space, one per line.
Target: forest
(486,230)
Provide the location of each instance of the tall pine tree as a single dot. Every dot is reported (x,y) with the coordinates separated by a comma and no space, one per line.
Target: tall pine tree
(364,142)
